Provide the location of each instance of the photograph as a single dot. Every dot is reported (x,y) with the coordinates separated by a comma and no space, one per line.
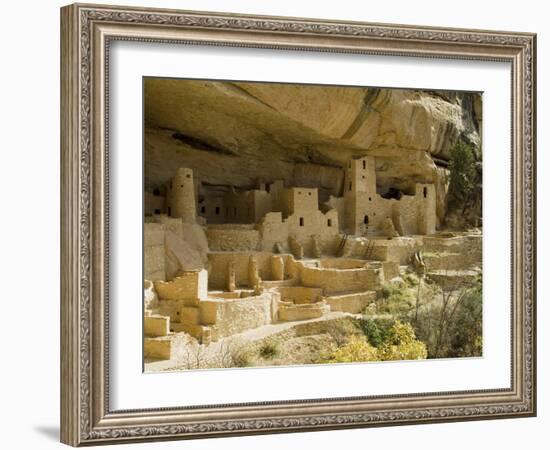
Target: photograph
(290,224)
(279,221)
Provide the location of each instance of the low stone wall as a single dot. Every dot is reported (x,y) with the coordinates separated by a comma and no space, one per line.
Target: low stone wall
(451,261)
(232,316)
(334,280)
(300,295)
(342,263)
(237,294)
(232,238)
(451,280)
(156,325)
(164,347)
(270,284)
(221,317)
(453,243)
(351,303)
(157,348)
(289,312)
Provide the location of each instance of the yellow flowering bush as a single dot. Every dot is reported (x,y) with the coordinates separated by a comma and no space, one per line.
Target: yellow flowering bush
(401,344)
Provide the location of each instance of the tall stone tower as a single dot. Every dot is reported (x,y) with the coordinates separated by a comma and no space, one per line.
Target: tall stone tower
(182,202)
(359,194)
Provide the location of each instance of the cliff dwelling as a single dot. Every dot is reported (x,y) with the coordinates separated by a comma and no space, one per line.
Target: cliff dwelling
(276,217)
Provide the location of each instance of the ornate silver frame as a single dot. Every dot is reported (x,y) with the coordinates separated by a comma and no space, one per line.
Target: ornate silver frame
(86,31)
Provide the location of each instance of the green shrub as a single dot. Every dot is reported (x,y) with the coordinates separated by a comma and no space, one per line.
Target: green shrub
(387,291)
(395,300)
(463,182)
(269,350)
(376,330)
(451,325)
(465,331)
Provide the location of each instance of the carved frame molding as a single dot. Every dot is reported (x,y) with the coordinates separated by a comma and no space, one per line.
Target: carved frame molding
(86,32)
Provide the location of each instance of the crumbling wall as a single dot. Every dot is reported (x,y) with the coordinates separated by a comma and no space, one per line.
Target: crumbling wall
(218,262)
(188,286)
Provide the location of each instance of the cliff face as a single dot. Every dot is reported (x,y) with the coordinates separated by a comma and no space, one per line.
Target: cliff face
(234,133)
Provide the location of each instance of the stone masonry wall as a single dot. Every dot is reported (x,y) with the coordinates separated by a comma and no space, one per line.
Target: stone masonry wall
(218,262)
(232,316)
(333,280)
(231,238)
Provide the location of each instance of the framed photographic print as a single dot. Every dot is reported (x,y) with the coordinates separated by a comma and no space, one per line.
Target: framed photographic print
(275,224)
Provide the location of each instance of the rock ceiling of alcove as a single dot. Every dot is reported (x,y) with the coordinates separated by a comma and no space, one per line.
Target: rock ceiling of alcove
(235,133)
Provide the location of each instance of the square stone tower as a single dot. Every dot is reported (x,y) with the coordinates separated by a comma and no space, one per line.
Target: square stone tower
(359,194)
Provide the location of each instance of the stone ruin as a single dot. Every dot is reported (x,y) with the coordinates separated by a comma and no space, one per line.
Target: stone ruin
(217,266)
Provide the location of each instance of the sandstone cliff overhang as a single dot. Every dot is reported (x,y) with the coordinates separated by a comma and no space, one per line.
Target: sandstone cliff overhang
(239,133)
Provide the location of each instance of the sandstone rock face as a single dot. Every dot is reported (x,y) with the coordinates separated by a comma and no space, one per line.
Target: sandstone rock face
(239,134)
(186,249)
